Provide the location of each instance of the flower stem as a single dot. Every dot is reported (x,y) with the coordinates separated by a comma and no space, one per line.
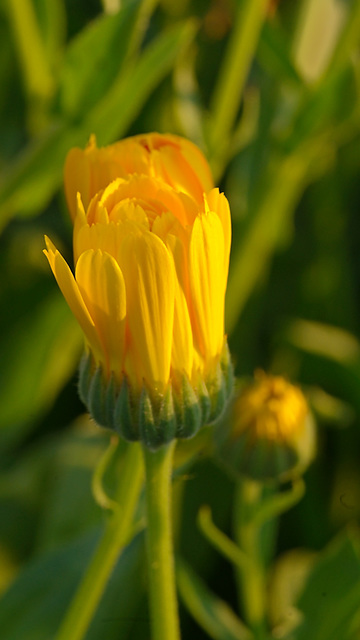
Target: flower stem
(161,573)
(114,539)
(251,574)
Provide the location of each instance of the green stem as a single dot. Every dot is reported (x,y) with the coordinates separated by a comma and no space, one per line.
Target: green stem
(251,575)
(233,73)
(220,540)
(114,539)
(161,571)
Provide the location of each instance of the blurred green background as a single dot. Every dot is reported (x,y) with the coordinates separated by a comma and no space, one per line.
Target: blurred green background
(270,92)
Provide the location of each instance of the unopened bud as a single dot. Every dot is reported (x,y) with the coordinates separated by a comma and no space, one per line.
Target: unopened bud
(270,433)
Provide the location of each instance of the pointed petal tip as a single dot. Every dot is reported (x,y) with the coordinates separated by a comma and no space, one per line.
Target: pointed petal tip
(50,247)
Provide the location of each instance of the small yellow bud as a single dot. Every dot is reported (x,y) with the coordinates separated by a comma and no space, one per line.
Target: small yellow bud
(271,432)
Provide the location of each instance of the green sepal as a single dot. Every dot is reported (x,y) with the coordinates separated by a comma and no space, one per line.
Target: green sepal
(166,418)
(123,418)
(149,434)
(149,416)
(258,459)
(157,422)
(85,371)
(188,411)
(261,460)
(227,369)
(285,459)
(218,394)
(269,460)
(97,398)
(110,398)
(205,402)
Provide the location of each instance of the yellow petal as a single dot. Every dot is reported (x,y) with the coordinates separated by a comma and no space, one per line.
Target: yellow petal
(110,195)
(173,159)
(92,213)
(207,283)
(102,287)
(197,161)
(183,348)
(88,171)
(167,225)
(129,210)
(71,293)
(130,157)
(217,202)
(150,290)
(169,229)
(170,164)
(178,161)
(152,194)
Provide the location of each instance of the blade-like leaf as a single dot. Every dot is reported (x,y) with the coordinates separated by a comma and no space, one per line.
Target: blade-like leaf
(52,24)
(274,53)
(111,117)
(211,613)
(330,600)
(94,59)
(34,605)
(38,353)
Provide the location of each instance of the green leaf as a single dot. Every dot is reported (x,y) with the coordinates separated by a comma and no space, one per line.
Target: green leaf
(331,103)
(330,601)
(209,611)
(227,95)
(329,352)
(274,54)
(68,508)
(52,24)
(30,181)
(111,117)
(285,180)
(91,64)
(34,605)
(94,59)
(37,76)
(123,600)
(48,490)
(39,352)
(348,41)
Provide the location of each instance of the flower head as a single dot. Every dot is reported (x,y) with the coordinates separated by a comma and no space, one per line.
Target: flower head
(151,261)
(271,434)
(175,160)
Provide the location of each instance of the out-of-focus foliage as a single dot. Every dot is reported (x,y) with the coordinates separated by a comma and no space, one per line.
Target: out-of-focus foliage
(270,91)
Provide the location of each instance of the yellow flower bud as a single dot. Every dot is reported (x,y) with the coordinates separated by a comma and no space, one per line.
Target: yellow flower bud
(271,434)
(151,263)
(173,159)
